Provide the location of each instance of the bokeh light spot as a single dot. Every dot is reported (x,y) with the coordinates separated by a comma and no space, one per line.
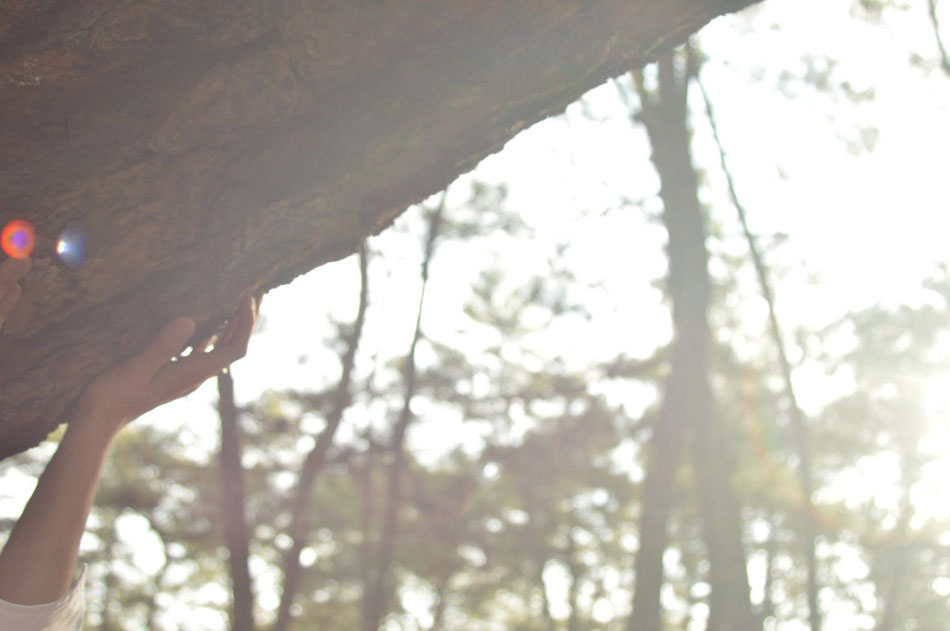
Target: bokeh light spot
(71,247)
(18,239)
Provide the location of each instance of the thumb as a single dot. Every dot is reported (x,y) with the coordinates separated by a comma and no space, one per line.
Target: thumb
(168,343)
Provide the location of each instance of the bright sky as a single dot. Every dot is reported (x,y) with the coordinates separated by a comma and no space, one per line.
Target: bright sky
(869,224)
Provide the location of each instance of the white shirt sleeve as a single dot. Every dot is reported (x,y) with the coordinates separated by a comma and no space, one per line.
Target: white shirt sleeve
(65,614)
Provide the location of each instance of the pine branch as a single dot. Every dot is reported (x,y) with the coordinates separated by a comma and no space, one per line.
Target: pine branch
(935,23)
(798,417)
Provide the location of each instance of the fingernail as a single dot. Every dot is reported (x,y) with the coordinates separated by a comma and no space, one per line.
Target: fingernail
(183,327)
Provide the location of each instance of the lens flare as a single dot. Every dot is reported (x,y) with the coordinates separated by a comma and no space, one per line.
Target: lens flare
(18,239)
(71,247)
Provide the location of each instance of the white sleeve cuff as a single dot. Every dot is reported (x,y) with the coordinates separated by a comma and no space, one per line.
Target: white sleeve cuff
(65,614)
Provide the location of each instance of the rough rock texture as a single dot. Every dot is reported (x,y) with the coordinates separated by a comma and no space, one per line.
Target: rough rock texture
(225,146)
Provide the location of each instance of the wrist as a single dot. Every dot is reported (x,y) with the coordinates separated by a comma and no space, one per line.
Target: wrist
(96,417)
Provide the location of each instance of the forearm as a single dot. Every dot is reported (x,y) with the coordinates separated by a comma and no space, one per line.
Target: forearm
(37,563)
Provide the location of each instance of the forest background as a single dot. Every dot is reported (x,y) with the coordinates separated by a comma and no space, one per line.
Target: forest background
(551,397)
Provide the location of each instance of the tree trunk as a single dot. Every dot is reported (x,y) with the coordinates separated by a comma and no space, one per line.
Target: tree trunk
(574,583)
(236,535)
(897,555)
(316,459)
(382,586)
(441,597)
(108,583)
(365,476)
(664,112)
(209,149)
(549,621)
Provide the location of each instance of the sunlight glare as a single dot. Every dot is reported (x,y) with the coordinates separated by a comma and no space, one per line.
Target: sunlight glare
(18,239)
(71,247)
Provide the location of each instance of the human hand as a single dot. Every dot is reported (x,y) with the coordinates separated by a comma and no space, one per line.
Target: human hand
(156,376)
(11,271)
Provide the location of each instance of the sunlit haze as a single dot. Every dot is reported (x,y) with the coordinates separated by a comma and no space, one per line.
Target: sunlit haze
(847,194)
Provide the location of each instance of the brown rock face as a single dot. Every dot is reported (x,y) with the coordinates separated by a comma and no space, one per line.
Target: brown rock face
(213,148)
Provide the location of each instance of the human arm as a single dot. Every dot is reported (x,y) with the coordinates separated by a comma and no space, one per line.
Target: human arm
(37,563)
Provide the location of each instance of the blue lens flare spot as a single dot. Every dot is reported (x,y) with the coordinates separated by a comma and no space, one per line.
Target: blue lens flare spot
(71,247)
(18,239)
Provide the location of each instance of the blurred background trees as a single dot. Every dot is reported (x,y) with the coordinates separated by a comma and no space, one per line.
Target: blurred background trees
(505,415)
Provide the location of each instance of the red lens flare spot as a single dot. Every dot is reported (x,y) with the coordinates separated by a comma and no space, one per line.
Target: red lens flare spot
(18,239)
